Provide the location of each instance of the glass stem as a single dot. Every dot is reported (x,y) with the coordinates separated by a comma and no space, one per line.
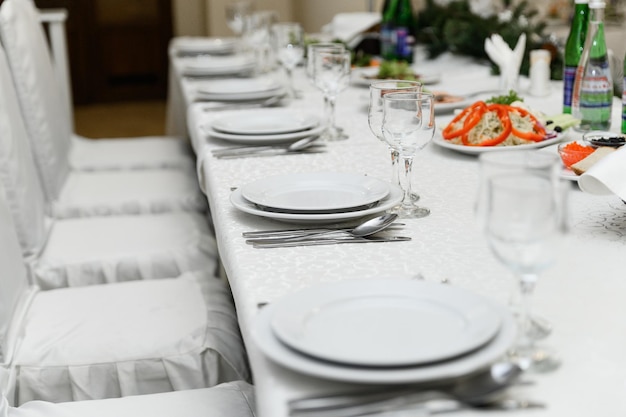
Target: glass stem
(405,180)
(395,155)
(527,287)
(291,92)
(331,112)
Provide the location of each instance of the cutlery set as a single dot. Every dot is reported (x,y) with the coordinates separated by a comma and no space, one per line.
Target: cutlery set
(306,145)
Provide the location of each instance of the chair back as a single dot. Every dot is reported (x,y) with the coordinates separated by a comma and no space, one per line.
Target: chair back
(13,279)
(40,97)
(18,174)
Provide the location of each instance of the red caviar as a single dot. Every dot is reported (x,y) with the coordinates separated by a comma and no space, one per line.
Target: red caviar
(574,152)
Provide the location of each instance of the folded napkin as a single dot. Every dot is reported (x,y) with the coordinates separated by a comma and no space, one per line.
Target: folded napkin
(607,176)
(509,61)
(347,26)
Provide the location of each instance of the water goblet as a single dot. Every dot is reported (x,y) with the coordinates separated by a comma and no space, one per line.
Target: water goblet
(408,126)
(375,116)
(310,67)
(331,71)
(256,36)
(236,13)
(520,208)
(288,43)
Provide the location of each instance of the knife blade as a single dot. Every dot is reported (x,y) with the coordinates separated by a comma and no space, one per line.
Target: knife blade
(276,243)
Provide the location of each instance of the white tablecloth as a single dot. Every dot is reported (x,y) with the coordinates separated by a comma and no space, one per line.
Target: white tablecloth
(582,295)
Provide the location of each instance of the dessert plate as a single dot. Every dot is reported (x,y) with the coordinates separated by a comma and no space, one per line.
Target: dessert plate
(382,323)
(315,192)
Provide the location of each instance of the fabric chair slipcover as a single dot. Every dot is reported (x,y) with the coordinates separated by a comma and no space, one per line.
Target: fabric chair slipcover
(77,193)
(95,250)
(25,41)
(231,399)
(107,341)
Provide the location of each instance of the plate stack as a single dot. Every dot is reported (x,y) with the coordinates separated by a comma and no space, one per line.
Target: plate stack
(321,197)
(198,45)
(384,331)
(201,66)
(238,89)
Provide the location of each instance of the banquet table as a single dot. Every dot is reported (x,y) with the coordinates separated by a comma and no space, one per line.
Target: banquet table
(582,295)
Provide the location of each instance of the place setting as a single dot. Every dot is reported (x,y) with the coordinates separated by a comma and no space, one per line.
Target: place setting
(320,198)
(406,339)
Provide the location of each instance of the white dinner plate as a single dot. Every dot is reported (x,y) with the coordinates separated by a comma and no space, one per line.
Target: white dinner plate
(383,323)
(475,150)
(263,123)
(238,89)
(199,45)
(391,200)
(264,338)
(217,65)
(317,191)
(363,76)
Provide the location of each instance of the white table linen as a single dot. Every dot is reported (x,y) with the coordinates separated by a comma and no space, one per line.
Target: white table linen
(582,295)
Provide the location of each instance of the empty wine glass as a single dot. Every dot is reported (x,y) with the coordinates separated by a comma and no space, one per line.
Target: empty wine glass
(256,36)
(520,208)
(331,71)
(288,42)
(408,126)
(375,116)
(310,67)
(236,13)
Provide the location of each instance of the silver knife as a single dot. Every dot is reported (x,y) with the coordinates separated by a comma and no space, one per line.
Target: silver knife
(319,242)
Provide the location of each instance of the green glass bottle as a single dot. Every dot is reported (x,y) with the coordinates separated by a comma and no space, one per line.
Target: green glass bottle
(397,38)
(592,96)
(573,50)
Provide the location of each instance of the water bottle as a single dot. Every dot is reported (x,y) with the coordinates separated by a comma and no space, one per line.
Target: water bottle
(396,36)
(593,86)
(573,50)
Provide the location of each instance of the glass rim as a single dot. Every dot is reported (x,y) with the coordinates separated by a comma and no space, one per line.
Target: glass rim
(398,96)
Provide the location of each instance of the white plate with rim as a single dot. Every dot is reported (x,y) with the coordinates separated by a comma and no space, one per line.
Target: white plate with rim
(475,150)
(265,339)
(238,87)
(261,95)
(199,45)
(217,65)
(264,123)
(382,324)
(318,191)
(391,200)
(364,76)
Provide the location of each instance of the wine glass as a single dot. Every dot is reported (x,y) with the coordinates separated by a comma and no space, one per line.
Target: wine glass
(331,71)
(236,13)
(408,126)
(520,208)
(375,116)
(256,36)
(288,43)
(310,67)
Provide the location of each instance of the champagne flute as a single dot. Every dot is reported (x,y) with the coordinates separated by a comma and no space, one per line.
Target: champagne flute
(331,71)
(288,42)
(521,212)
(375,116)
(408,126)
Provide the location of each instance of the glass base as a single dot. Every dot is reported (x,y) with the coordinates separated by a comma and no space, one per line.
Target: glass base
(533,358)
(410,211)
(333,134)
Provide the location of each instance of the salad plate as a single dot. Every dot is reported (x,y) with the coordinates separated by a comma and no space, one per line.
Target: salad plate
(389,201)
(314,192)
(366,75)
(265,339)
(475,150)
(264,123)
(382,324)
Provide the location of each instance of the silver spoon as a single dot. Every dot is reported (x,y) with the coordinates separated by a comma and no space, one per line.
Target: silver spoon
(367,228)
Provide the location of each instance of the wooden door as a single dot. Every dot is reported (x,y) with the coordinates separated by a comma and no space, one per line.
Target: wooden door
(117,48)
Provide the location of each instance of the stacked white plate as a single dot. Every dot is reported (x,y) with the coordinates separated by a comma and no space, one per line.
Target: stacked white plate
(264,126)
(217,65)
(384,331)
(320,197)
(194,45)
(238,89)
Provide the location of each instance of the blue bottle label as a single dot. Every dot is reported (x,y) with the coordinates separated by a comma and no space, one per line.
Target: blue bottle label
(569,75)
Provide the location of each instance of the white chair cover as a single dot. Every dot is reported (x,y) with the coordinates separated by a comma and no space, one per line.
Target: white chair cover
(231,399)
(122,248)
(24,40)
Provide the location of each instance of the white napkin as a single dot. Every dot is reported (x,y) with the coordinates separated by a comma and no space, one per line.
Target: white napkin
(607,176)
(509,61)
(347,26)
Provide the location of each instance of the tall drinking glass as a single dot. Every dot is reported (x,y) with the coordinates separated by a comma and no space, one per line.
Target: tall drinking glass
(331,71)
(378,89)
(520,207)
(408,126)
(256,36)
(310,67)
(288,43)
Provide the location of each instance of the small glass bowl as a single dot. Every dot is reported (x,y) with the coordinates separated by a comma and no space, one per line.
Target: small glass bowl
(572,152)
(599,138)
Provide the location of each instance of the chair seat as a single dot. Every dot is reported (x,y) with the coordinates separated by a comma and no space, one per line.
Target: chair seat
(82,343)
(129,153)
(98,250)
(232,399)
(128,192)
